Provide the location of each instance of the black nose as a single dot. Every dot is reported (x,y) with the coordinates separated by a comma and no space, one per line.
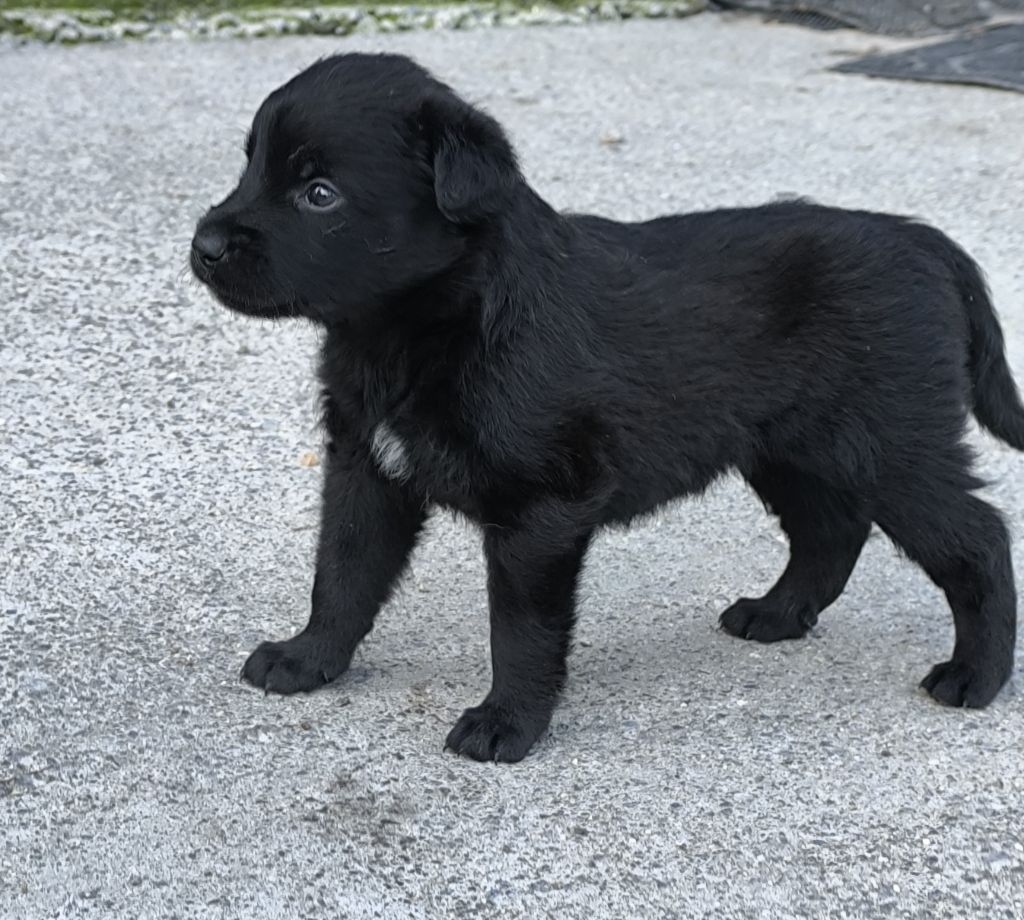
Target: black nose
(209,244)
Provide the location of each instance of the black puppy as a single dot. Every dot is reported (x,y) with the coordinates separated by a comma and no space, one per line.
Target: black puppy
(548,374)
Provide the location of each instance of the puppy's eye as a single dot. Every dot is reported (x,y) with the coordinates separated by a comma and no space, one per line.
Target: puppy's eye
(319,196)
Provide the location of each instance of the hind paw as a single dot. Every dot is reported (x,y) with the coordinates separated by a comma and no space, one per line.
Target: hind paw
(957,683)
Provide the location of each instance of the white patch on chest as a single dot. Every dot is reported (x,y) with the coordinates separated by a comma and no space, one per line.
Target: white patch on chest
(390,453)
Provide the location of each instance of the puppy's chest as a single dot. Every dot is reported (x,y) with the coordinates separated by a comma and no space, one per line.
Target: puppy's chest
(427,453)
(390,452)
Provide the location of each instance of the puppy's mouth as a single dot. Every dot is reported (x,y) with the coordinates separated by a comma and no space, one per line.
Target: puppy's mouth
(246,302)
(249,305)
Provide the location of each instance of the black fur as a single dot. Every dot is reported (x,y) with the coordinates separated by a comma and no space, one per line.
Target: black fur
(548,374)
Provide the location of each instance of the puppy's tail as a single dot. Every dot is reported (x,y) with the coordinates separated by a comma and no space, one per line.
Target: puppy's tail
(997,404)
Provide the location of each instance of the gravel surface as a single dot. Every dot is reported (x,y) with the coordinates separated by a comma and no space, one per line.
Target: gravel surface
(158,506)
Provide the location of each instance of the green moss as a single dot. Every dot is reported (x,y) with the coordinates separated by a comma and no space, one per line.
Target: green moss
(168,9)
(75,21)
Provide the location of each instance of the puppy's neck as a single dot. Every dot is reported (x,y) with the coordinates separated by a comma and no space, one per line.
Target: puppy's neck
(520,258)
(507,272)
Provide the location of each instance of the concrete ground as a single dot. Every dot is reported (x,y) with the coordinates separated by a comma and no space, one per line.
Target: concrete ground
(157,520)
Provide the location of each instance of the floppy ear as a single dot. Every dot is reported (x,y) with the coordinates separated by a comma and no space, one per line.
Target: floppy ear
(475,169)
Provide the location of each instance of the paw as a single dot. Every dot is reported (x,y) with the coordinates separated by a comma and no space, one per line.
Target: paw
(298,665)
(490,732)
(762,622)
(957,683)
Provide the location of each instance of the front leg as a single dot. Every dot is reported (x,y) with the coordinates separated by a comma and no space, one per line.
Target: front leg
(532,574)
(368,528)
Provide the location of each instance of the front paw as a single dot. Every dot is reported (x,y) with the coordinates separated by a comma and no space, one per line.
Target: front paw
(762,622)
(492,732)
(297,665)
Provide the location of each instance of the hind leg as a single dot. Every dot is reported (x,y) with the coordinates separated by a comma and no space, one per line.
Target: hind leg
(826,528)
(963,545)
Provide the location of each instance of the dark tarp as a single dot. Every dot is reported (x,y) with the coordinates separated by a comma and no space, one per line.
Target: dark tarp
(887,17)
(993,57)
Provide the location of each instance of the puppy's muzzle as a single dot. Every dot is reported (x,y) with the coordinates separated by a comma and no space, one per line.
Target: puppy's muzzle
(209,245)
(216,241)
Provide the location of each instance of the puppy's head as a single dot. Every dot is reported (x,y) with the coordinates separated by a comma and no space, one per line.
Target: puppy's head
(366,180)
